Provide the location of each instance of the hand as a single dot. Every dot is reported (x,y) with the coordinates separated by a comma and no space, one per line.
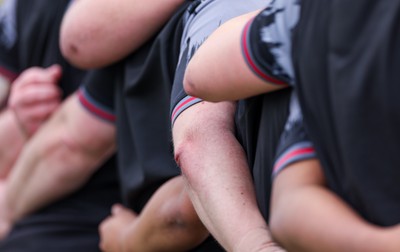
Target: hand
(112,228)
(34,96)
(5,223)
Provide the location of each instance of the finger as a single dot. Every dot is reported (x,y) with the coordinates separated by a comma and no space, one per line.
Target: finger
(39,112)
(119,209)
(54,71)
(35,94)
(116,209)
(37,75)
(104,224)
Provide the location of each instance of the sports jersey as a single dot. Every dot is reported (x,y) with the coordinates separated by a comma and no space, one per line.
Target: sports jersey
(346,56)
(259,123)
(29,37)
(266,46)
(136,94)
(345,82)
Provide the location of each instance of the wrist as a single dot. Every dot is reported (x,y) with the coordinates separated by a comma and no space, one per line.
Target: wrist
(6,215)
(124,242)
(257,239)
(22,131)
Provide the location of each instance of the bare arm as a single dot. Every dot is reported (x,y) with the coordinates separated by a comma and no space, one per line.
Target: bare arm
(218,70)
(163,225)
(12,139)
(96,33)
(34,96)
(306,216)
(218,177)
(59,159)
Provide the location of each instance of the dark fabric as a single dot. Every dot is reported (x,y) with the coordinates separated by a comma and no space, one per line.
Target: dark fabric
(142,99)
(260,122)
(69,224)
(346,56)
(142,109)
(38,43)
(97,93)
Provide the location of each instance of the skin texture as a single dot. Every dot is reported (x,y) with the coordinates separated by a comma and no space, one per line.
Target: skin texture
(159,227)
(111,29)
(73,143)
(218,178)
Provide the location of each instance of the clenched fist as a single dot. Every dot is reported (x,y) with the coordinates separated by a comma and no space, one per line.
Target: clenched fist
(34,96)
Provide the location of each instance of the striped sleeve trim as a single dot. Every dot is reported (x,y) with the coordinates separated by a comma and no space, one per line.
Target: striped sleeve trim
(298,152)
(185,103)
(9,75)
(94,107)
(249,57)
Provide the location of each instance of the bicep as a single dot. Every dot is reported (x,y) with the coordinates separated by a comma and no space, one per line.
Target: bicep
(218,70)
(86,131)
(95,33)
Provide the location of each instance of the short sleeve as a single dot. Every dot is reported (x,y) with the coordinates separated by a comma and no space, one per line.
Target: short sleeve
(294,144)
(266,42)
(96,93)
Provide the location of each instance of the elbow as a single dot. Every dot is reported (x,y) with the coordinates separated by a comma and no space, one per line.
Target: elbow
(194,87)
(78,44)
(203,88)
(71,53)
(76,54)
(189,85)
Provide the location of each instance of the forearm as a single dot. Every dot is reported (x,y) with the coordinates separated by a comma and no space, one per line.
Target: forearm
(96,33)
(12,140)
(57,161)
(166,225)
(217,173)
(309,217)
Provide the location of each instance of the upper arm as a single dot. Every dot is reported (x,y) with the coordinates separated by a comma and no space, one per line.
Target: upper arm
(91,111)
(218,70)
(247,56)
(95,33)
(86,132)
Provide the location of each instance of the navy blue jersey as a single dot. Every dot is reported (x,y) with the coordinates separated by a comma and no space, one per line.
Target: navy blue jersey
(29,32)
